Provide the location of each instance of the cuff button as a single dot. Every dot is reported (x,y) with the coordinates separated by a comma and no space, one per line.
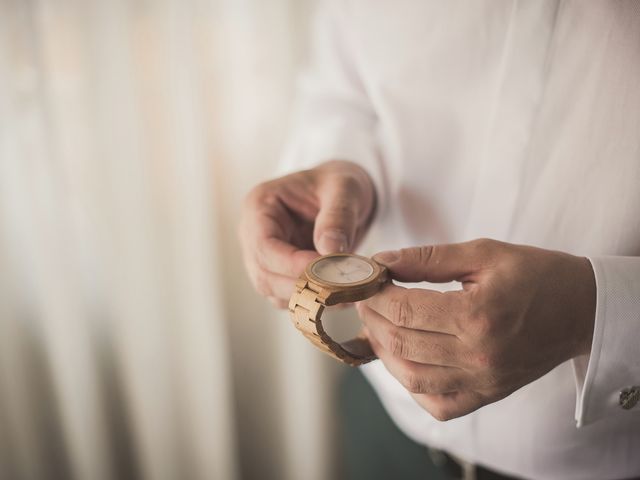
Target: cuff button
(629,397)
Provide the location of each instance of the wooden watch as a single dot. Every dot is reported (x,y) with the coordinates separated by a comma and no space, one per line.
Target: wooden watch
(330,280)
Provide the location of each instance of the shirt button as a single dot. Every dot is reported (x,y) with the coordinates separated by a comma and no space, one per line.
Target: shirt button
(629,397)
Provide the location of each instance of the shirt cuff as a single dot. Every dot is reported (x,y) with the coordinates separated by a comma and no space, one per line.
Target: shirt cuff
(613,365)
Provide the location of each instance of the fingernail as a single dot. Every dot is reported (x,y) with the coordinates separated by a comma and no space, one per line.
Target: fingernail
(386,257)
(333,241)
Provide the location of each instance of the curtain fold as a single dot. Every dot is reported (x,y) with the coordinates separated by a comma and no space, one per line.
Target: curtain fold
(131,344)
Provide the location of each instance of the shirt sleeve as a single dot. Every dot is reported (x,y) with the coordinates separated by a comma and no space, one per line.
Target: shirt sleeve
(334,118)
(613,365)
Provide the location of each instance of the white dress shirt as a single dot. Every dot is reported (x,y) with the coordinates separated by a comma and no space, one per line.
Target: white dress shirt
(514,120)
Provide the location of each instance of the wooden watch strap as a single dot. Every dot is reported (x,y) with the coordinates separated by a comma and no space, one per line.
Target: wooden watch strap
(306,313)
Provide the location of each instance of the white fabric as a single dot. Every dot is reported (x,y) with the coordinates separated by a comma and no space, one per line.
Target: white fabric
(511,120)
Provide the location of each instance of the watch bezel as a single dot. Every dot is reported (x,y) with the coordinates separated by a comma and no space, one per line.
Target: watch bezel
(374,277)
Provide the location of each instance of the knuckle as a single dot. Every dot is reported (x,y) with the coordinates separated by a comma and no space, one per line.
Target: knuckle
(350,184)
(445,385)
(441,413)
(341,208)
(264,258)
(484,247)
(306,177)
(482,360)
(260,261)
(261,283)
(264,198)
(425,253)
(421,255)
(401,311)
(487,360)
(263,289)
(398,343)
(413,382)
(257,193)
(483,243)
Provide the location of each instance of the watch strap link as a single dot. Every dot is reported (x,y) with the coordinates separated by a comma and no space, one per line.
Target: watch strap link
(305,308)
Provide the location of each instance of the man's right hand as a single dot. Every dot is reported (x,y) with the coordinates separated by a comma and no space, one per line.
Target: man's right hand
(289,221)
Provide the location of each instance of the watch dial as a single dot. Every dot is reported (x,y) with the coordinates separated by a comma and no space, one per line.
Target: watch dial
(342,269)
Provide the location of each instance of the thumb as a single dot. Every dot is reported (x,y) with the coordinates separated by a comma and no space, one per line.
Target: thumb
(337,221)
(437,263)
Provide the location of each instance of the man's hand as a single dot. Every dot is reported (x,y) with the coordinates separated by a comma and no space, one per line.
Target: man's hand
(521,312)
(286,222)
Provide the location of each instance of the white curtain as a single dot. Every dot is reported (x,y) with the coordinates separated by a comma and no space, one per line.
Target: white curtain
(131,344)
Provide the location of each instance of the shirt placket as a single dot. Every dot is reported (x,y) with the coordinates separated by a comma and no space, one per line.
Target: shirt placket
(519,93)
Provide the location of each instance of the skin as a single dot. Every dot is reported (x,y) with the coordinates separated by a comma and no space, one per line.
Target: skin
(521,310)
(289,221)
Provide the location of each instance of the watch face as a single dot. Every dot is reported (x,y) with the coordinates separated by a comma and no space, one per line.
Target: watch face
(342,269)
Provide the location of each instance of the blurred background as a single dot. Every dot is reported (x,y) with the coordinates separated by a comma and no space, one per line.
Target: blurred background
(131,343)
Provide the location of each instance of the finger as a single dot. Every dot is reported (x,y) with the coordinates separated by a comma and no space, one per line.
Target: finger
(420,309)
(438,263)
(264,217)
(418,377)
(415,345)
(279,303)
(449,405)
(270,284)
(266,233)
(338,218)
(277,256)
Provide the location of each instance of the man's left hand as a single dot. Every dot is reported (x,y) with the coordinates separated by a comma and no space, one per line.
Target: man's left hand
(521,312)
